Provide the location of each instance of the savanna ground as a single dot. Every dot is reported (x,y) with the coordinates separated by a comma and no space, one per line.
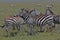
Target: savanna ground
(9,10)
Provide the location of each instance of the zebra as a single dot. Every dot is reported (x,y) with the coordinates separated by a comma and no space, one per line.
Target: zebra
(49,11)
(13,21)
(41,12)
(39,20)
(56,18)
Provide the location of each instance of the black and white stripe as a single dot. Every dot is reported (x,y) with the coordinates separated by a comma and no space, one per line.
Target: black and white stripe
(44,19)
(41,20)
(15,21)
(11,19)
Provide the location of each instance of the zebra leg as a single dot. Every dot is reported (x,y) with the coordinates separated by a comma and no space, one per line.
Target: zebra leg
(52,27)
(19,27)
(41,29)
(13,26)
(30,29)
(7,30)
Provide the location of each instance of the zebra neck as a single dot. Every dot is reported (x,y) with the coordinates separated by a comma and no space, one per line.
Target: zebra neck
(22,17)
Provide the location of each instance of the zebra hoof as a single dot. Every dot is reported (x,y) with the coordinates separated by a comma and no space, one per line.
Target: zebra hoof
(12,34)
(30,34)
(15,33)
(33,33)
(38,31)
(41,31)
(26,31)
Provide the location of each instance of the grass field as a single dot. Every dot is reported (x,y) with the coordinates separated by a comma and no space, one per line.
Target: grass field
(7,10)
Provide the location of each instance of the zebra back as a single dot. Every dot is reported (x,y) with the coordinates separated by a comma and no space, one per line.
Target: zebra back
(14,19)
(43,19)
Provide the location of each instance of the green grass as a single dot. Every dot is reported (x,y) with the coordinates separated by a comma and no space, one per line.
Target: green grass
(6,10)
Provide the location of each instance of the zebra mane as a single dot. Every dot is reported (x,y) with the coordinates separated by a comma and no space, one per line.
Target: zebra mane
(31,11)
(27,11)
(40,15)
(50,11)
(11,17)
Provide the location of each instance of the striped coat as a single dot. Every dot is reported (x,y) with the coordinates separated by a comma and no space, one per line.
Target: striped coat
(42,20)
(13,21)
(39,20)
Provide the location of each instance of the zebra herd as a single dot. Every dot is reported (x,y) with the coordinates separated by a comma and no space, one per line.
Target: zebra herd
(32,18)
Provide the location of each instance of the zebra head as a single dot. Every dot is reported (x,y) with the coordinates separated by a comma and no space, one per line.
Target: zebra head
(34,12)
(49,11)
(24,14)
